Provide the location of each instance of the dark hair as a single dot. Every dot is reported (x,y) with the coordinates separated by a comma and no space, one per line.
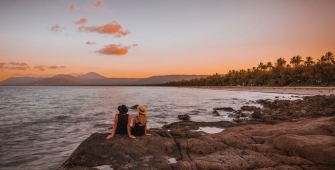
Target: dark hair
(123,109)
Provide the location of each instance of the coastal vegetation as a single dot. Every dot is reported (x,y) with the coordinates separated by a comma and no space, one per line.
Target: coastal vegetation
(295,72)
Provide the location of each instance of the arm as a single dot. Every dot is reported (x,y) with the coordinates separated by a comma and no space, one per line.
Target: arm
(129,128)
(145,131)
(114,127)
(134,121)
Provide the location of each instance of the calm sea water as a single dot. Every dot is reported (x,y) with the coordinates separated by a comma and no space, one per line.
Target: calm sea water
(41,126)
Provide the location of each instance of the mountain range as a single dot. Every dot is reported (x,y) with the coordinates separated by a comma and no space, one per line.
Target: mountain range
(93,79)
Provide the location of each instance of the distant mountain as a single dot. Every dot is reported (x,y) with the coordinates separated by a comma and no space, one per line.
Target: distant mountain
(54,81)
(108,81)
(167,78)
(91,76)
(16,81)
(94,79)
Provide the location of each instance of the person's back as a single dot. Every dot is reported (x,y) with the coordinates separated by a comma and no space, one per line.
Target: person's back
(122,123)
(137,129)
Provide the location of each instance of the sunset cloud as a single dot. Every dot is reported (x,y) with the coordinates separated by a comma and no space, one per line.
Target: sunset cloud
(55,28)
(18,64)
(41,68)
(114,49)
(90,43)
(56,67)
(14,66)
(112,28)
(97,3)
(17,68)
(134,45)
(2,65)
(81,21)
(72,6)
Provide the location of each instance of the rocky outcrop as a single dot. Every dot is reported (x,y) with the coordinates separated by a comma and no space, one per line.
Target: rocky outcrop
(306,144)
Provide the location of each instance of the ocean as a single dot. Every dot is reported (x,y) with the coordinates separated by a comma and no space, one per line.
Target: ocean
(41,126)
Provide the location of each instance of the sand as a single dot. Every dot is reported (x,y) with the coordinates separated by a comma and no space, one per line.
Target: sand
(281,90)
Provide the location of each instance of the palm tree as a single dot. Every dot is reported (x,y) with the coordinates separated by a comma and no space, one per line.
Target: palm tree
(260,66)
(281,62)
(296,60)
(309,61)
(329,57)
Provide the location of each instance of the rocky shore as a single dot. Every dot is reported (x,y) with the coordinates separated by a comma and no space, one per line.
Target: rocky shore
(283,134)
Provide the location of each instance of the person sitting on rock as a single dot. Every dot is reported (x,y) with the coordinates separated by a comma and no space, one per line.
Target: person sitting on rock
(121,123)
(139,126)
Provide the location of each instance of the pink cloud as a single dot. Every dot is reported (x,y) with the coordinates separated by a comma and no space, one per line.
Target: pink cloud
(81,21)
(72,6)
(134,45)
(114,49)
(55,28)
(43,67)
(113,28)
(97,3)
(90,43)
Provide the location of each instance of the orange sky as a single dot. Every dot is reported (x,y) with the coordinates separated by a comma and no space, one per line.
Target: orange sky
(147,38)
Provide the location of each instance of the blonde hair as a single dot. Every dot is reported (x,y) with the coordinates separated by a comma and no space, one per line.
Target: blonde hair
(143,119)
(142,114)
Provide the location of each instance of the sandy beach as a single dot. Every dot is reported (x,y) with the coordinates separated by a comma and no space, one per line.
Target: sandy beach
(280,90)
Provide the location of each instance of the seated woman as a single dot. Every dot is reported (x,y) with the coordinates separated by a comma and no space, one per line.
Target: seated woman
(139,127)
(121,123)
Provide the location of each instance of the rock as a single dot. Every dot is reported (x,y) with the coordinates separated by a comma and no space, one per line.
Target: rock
(216,113)
(306,144)
(184,117)
(256,115)
(134,107)
(248,108)
(229,109)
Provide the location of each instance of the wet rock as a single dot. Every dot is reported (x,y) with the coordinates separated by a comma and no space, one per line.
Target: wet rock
(229,109)
(184,117)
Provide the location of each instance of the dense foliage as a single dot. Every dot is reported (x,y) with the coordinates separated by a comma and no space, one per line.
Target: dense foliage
(297,72)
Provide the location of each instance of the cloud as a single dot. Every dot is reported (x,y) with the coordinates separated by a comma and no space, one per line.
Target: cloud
(2,65)
(56,67)
(90,43)
(18,64)
(134,45)
(14,66)
(55,28)
(114,49)
(72,6)
(97,3)
(41,68)
(113,28)
(81,21)
(17,68)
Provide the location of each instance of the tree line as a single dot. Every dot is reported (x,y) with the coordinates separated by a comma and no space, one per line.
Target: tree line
(295,72)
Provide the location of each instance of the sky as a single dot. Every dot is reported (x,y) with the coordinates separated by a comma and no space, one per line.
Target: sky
(139,39)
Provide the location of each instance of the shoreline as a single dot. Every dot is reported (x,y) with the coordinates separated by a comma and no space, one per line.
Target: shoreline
(279,90)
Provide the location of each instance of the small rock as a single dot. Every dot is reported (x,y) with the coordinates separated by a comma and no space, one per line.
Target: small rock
(216,113)
(184,117)
(229,109)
